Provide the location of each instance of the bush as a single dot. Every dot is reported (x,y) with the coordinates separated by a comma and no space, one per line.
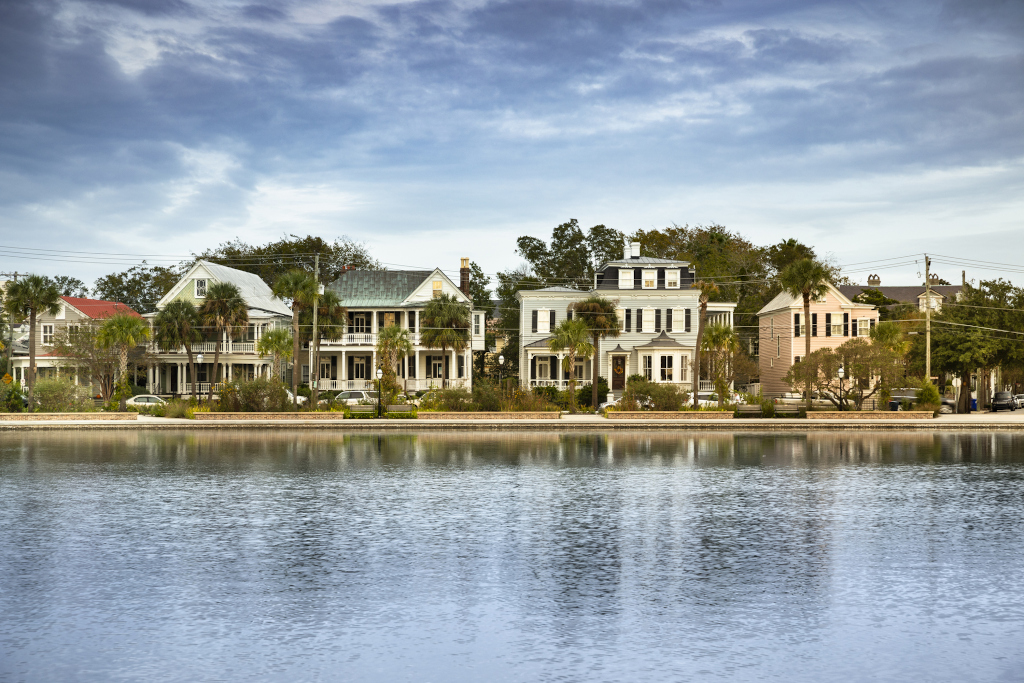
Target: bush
(448,400)
(179,408)
(12,399)
(61,396)
(583,394)
(487,397)
(259,395)
(642,394)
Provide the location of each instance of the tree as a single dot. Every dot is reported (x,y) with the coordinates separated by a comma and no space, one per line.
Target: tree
(508,312)
(300,287)
(480,293)
(332,319)
(224,310)
(722,346)
(79,347)
(572,336)
(788,251)
(707,290)
(393,344)
(445,325)
(177,325)
(875,298)
(30,296)
(572,257)
(276,342)
(599,315)
(868,368)
(272,260)
(123,332)
(808,279)
(140,287)
(70,286)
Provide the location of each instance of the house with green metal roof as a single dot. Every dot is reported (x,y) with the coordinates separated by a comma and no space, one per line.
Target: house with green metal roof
(376,299)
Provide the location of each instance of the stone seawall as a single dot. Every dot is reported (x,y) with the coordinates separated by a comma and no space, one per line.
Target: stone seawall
(489,416)
(44,417)
(270,416)
(872,415)
(668,415)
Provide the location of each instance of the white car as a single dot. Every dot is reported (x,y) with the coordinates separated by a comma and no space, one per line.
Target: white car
(291,398)
(148,400)
(353,398)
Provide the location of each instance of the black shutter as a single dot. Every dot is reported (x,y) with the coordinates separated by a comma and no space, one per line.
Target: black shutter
(872,323)
(447,366)
(638,280)
(687,319)
(657,320)
(668,319)
(351,323)
(660,283)
(828,324)
(629,319)
(412,366)
(568,314)
(534,325)
(846,324)
(533,367)
(551,321)
(412,322)
(814,324)
(639,320)
(796,324)
(351,367)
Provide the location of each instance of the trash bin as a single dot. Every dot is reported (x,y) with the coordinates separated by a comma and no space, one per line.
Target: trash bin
(974,404)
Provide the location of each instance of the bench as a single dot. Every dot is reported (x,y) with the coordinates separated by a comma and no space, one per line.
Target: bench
(407,408)
(787,411)
(749,410)
(362,410)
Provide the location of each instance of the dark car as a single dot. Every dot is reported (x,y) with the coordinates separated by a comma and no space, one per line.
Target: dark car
(1003,400)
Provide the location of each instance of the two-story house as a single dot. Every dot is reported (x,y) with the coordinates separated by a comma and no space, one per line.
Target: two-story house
(376,299)
(782,331)
(170,374)
(657,309)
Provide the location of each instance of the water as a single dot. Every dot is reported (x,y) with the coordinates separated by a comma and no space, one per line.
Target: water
(523,557)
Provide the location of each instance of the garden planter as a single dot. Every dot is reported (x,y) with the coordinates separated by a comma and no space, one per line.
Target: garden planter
(270,416)
(668,415)
(41,417)
(871,415)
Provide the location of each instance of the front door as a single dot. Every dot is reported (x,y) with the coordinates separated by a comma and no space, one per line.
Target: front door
(618,373)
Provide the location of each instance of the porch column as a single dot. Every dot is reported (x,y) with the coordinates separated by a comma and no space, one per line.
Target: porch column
(343,369)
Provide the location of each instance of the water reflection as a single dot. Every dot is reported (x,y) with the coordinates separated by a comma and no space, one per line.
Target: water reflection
(298,555)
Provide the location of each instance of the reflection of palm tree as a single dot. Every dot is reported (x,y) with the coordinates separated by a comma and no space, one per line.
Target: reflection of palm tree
(706,290)
(277,343)
(572,336)
(224,310)
(301,288)
(123,332)
(599,315)
(445,325)
(30,296)
(806,278)
(178,325)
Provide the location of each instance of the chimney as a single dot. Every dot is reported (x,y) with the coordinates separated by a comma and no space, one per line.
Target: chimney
(963,274)
(464,276)
(874,280)
(634,250)
(625,247)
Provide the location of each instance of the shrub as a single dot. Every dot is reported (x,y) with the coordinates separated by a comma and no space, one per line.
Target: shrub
(642,394)
(12,399)
(487,397)
(448,400)
(584,394)
(61,395)
(178,408)
(259,395)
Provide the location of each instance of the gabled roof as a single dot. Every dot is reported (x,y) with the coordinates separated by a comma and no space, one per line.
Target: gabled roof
(784,300)
(662,341)
(257,293)
(376,288)
(905,295)
(557,289)
(540,343)
(644,261)
(97,309)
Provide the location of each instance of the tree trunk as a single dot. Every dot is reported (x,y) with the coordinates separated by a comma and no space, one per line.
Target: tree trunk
(572,382)
(31,358)
(123,358)
(594,373)
(701,322)
(315,392)
(192,367)
(295,356)
(807,339)
(444,367)
(216,364)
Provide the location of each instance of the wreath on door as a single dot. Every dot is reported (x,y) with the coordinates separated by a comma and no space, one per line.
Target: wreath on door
(618,369)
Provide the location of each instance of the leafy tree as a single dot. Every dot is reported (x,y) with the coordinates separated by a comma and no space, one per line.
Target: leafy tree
(140,286)
(572,336)
(599,315)
(808,279)
(722,347)
(509,309)
(480,293)
(178,325)
(707,290)
(300,288)
(123,332)
(79,347)
(445,325)
(868,368)
(276,342)
(875,298)
(331,321)
(70,286)
(30,296)
(224,310)
(788,251)
(393,344)
(572,257)
(272,260)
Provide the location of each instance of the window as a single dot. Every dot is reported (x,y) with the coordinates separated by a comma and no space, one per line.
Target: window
(778,347)
(360,323)
(796,359)
(47,335)
(437,288)
(666,368)
(359,367)
(73,330)
(200,288)
(625,278)
(412,321)
(671,279)
(542,367)
(476,325)
(577,371)
(863,328)
(650,279)
(462,365)
(773,328)
(620,313)
(648,367)
(837,325)
(684,363)
(543,321)
(648,319)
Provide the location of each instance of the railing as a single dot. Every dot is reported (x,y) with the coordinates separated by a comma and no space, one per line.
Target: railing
(559,383)
(201,388)
(242,347)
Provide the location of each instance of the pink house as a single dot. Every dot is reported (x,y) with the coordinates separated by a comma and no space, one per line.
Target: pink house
(781,330)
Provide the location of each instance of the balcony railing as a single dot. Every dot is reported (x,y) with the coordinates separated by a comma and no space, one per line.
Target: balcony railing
(558,383)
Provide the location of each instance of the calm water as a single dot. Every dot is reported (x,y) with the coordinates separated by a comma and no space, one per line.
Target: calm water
(294,556)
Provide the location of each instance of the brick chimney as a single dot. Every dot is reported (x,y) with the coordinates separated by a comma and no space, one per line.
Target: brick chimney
(874,280)
(464,276)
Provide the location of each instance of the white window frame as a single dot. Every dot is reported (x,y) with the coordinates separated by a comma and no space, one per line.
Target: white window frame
(648,367)
(678,320)
(648,320)
(666,368)
(438,287)
(672,278)
(543,321)
(649,279)
(620,313)
(579,369)
(837,327)
(543,367)
(47,336)
(626,278)
(684,364)
(476,324)
(863,327)
(196,288)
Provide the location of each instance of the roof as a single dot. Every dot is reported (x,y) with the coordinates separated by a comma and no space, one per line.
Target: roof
(557,289)
(662,341)
(251,286)
(374,288)
(784,300)
(618,349)
(97,309)
(905,295)
(540,343)
(644,260)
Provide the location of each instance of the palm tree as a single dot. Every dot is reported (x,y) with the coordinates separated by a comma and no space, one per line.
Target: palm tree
(225,311)
(722,343)
(301,288)
(445,325)
(332,318)
(123,332)
(572,336)
(393,344)
(178,325)
(706,290)
(30,296)
(277,343)
(806,278)
(599,315)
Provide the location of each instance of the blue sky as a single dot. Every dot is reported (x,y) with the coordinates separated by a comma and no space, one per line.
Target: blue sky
(434,130)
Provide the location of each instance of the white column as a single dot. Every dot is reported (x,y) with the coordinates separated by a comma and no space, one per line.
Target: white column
(343,370)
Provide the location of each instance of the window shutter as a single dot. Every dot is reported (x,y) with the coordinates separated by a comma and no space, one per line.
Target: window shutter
(687,319)
(533,367)
(629,319)
(352,323)
(846,324)
(853,328)
(534,324)
(872,323)
(814,324)
(638,280)
(657,320)
(412,366)
(551,324)
(796,324)
(828,324)
(639,320)
(568,314)
(668,319)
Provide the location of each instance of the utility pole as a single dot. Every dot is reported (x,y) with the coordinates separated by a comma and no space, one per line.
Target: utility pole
(314,359)
(927,319)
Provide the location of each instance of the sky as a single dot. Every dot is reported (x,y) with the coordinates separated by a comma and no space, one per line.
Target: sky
(439,129)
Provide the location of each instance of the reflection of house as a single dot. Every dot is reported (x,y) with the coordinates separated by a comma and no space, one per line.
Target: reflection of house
(74,312)
(376,299)
(834,320)
(657,310)
(170,374)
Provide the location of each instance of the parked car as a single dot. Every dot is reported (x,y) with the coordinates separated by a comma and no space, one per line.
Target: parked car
(145,400)
(948,406)
(1004,400)
(356,397)
(1020,400)
(291,397)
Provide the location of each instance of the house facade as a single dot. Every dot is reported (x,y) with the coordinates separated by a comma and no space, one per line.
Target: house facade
(658,314)
(170,372)
(376,299)
(782,330)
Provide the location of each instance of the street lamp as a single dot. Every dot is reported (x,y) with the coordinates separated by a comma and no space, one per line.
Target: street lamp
(380,373)
(842,374)
(195,382)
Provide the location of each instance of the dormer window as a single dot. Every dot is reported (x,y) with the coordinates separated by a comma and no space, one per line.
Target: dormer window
(671,279)
(625,278)
(437,288)
(201,288)
(650,279)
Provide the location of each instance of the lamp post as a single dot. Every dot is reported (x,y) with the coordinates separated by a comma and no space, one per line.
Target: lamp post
(380,373)
(195,380)
(501,367)
(842,374)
